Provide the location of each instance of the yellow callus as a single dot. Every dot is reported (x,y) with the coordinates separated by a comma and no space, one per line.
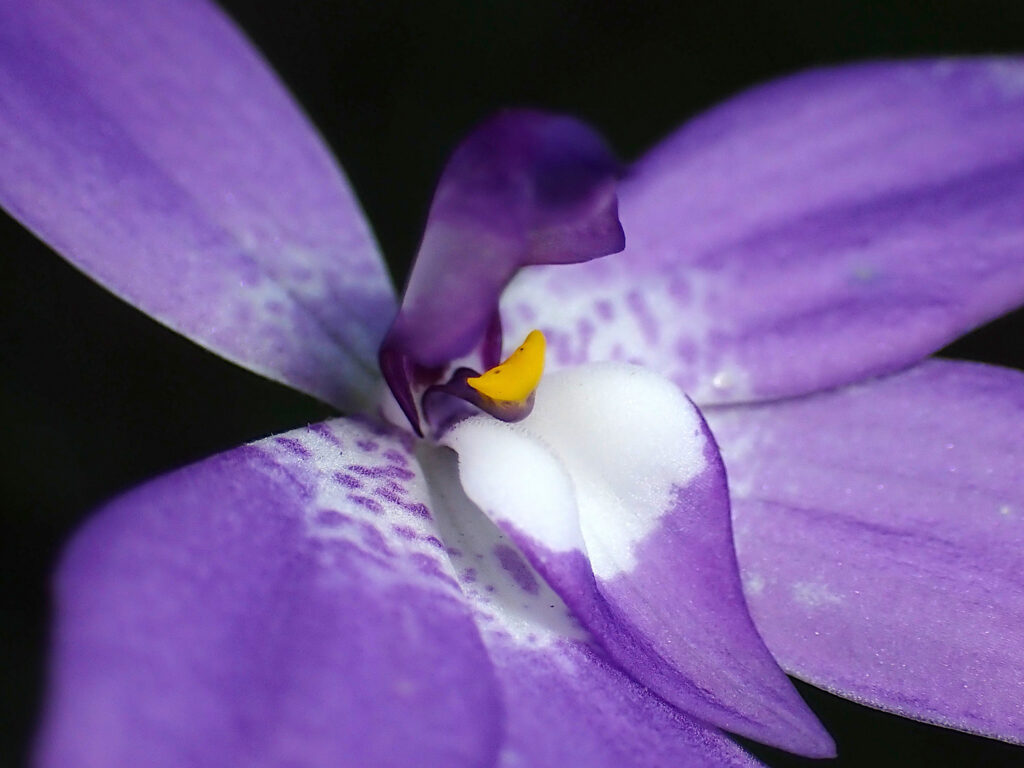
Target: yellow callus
(516,378)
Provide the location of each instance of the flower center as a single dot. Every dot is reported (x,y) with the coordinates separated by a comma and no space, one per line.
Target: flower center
(515,379)
(525,188)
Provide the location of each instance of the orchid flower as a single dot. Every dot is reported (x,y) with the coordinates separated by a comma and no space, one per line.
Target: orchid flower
(559,571)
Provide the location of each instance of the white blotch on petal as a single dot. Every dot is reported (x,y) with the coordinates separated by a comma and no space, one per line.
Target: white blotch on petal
(595,466)
(508,597)
(753,583)
(364,488)
(814,595)
(668,325)
(1008,75)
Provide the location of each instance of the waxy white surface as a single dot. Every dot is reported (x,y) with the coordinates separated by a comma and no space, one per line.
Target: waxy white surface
(569,469)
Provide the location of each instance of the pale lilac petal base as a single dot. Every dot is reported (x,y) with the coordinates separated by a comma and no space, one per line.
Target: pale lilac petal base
(880,532)
(811,232)
(288,603)
(149,144)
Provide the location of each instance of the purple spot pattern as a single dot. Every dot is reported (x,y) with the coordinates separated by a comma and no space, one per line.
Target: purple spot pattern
(330,518)
(516,567)
(395,457)
(593,320)
(366,502)
(333,466)
(347,480)
(393,528)
(293,445)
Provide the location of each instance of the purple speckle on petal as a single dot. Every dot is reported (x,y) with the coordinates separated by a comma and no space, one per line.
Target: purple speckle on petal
(388,471)
(404,532)
(686,350)
(559,345)
(387,494)
(368,445)
(469,575)
(330,518)
(394,456)
(374,539)
(326,433)
(293,446)
(419,509)
(584,334)
(526,313)
(434,542)
(604,309)
(426,564)
(347,480)
(516,567)
(347,552)
(359,469)
(648,325)
(681,291)
(366,502)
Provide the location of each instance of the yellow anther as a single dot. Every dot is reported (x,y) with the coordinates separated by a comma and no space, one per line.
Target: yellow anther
(516,378)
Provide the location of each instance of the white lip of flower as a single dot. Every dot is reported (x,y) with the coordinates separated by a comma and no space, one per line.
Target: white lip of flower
(548,478)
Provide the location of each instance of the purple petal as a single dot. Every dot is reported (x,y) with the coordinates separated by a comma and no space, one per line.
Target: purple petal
(811,232)
(567,704)
(524,188)
(287,603)
(614,490)
(150,145)
(880,530)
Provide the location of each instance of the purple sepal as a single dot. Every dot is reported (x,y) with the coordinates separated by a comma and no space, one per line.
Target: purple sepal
(150,146)
(880,534)
(524,188)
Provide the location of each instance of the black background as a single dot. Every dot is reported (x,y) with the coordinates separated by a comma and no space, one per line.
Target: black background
(96,397)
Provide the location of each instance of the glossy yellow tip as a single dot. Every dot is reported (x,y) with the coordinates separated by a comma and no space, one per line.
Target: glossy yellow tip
(516,378)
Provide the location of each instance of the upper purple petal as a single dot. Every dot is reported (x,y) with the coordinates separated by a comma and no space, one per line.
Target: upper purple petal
(524,188)
(880,533)
(287,603)
(149,144)
(614,490)
(811,232)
